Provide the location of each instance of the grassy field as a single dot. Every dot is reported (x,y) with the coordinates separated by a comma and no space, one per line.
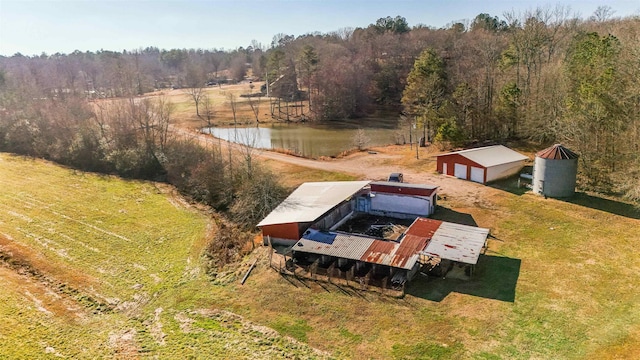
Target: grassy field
(185,109)
(93,266)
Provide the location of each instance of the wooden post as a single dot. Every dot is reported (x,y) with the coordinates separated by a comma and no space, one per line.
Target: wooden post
(248,272)
(270,250)
(330,270)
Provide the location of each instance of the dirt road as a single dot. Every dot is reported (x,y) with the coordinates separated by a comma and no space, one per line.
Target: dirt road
(363,164)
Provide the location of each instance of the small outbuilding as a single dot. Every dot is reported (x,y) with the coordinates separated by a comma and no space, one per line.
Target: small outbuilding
(554,172)
(481,165)
(401,200)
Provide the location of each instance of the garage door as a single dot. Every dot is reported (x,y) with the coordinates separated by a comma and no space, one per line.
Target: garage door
(477,175)
(460,171)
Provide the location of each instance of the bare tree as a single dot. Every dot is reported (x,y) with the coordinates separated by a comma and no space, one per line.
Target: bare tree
(197,94)
(360,139)
(248,146)
(602,13)
(209,110)
(163,109)
(255,107)
(233,103)
(195,83)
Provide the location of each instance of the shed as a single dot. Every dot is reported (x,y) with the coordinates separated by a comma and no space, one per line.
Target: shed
(481,165)
(309,203)
(425,237)
(402,200)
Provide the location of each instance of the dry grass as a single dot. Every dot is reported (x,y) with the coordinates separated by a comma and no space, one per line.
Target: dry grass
(185,110)
(425,161)
(559,281)
(93,266)
(292,175)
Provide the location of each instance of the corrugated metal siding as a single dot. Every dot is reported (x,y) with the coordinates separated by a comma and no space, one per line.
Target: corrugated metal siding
(334,215)
(410,204)
(503,171)
(282,231)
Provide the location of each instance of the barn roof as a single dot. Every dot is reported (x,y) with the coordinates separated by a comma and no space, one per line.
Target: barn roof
(402,254)
(429,237)
(490,155)
(557,152)
(311,200)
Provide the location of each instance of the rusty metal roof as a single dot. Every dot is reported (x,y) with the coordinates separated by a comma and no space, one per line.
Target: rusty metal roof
(423,227)
(557,152)
(402,254)
(429,237)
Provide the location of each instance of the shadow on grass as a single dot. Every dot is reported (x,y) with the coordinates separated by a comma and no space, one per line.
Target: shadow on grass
(495,278)
(510,185)
(446,214)
(603,204)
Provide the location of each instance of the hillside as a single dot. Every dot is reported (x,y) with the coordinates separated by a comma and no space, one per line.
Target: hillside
(94,266)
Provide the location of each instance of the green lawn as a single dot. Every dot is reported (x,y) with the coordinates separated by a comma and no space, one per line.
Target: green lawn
(93,266)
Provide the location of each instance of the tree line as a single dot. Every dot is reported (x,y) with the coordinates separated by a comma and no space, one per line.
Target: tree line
(543,75)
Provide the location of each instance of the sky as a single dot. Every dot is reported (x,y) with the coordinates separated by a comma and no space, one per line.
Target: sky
(51,26)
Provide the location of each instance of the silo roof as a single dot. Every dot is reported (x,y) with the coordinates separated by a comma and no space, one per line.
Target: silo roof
(557,152)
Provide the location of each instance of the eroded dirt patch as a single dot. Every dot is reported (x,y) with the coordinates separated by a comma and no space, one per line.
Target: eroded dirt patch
(63,297)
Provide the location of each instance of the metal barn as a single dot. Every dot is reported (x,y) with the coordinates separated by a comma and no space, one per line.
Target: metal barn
(481,165)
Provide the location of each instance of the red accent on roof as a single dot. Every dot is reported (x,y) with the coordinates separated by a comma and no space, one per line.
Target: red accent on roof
(404,189)
(377,250)
(415,240)
(423,227)
(557,152)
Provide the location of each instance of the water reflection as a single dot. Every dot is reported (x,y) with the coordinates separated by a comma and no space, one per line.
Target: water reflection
(308,140)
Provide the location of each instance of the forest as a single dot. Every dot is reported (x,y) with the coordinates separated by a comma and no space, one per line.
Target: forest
(540,77)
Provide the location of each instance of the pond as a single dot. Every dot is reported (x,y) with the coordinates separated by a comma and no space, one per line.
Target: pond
(313,139)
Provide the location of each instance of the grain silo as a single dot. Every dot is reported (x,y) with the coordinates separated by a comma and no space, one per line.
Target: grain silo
(554,172)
